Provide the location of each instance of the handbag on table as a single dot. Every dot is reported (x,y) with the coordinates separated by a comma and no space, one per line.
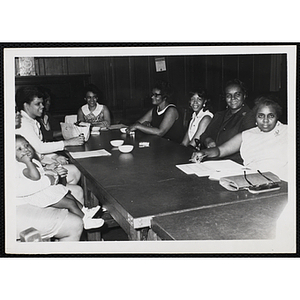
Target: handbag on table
(255,182)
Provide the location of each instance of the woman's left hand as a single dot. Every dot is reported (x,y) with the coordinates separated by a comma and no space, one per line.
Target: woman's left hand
(133,127)
(62,160)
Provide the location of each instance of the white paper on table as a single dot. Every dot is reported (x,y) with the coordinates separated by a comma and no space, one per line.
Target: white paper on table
(94,153)
(195,168)
(214,169)
(225,173)
(116,126)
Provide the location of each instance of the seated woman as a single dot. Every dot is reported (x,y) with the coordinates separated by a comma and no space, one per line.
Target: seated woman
(93,112)
(226,124)
(164,119)
(49,221)
(262,148)
(40,188)
(30,103)
(200,118)
(50,126)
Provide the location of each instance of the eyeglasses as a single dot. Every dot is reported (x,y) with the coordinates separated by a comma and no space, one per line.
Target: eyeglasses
(261,187)
(235,96)
(155,95)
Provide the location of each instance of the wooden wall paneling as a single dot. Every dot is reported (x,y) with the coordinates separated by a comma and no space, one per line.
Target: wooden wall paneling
(99,69)
(140,82)
(69,93)
(110,94)
(284,73)
(132,99)
(196,72)
(195,77)
(177,80)
(56,66)
(246,75)
(214,81)
(153,76)
(102,72)
(66,90)
(121,81)
(78,65)
(283,92)
(39,66)
(262,69)
(230,68)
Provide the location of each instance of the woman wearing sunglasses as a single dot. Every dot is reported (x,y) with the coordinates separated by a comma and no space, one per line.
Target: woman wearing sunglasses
(164,119)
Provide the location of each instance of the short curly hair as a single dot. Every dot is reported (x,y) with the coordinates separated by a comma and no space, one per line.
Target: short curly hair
(269,100)
(164,88)
(238,82)
(92,88)
(27,94)
(200,91)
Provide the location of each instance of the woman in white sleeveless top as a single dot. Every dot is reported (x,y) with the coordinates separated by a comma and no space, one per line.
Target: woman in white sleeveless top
(200,119)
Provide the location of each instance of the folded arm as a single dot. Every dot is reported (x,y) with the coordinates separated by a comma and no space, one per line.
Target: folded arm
(170,117)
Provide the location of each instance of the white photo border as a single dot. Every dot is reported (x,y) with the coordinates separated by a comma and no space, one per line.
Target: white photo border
(286,241)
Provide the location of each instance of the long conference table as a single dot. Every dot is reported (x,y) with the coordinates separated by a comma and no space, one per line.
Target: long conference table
(151,199)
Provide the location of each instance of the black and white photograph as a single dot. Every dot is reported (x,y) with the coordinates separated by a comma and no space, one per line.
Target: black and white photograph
(202,96)
(150,149)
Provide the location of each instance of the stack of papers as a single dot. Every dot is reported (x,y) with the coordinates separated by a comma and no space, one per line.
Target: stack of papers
(214,169)
(94,153)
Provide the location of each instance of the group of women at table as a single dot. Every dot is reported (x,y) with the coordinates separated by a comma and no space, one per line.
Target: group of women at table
(254,137)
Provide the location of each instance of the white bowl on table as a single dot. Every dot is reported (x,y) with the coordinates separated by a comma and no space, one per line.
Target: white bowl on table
(123,130)
(116,143)
(126,148)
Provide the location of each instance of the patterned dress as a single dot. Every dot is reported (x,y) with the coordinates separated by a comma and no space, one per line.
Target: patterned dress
(94,117)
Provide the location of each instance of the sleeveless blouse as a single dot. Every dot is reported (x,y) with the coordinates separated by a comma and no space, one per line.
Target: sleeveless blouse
(195,121)
(176,132)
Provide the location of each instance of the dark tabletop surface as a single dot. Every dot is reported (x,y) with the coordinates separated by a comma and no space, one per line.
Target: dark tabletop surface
(243,220)
(146,182)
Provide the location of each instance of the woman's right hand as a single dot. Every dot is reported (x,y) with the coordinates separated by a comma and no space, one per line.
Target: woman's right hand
(26,160)
(197,157)
(76,141)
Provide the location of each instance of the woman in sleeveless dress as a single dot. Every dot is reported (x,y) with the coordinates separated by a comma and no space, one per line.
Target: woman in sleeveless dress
(164,119)
(93,112)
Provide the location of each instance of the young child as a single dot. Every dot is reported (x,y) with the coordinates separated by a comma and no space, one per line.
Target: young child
(36,187)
